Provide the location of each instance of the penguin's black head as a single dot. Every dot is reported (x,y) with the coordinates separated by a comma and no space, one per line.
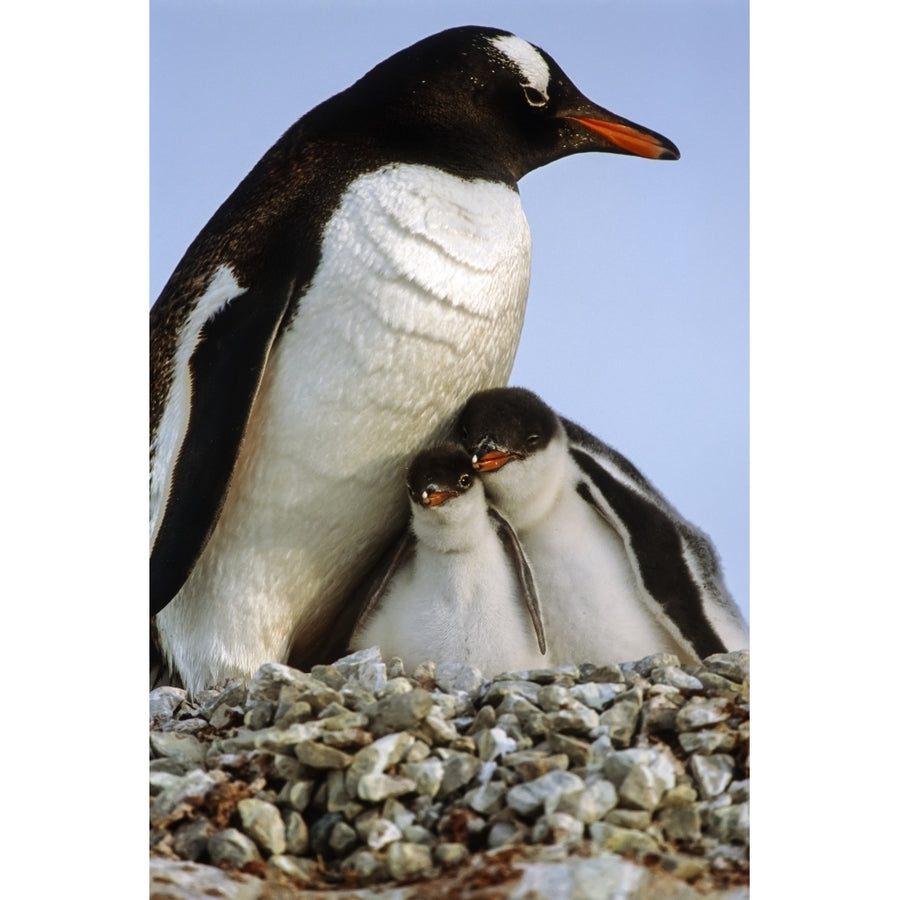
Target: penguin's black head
(479,102)
(439,474)
(502,424)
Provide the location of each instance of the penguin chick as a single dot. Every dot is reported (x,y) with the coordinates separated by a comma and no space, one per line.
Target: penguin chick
(621,574)
(458,587)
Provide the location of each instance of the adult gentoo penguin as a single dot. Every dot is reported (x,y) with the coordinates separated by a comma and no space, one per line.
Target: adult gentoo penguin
(619,572)
(364,279)
(457,587)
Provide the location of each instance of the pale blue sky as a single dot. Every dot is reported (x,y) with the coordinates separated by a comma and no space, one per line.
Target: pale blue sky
(637,323)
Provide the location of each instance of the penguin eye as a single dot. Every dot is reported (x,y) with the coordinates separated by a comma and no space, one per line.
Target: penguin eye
(532,441)
(465,481)
(534,97)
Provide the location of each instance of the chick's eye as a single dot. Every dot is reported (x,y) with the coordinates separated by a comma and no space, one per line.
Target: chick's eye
(534,97)
(465,481)
(532,440)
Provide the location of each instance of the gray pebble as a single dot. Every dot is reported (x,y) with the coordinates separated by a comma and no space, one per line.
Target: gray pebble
(734,666)
(262,822)
(418,834)
(231,847)
(531,764)
(654,661)
(342,838)
(183,748)
(406,860)
(296,833)
(701,712)
(399,685)
(364,666)
(494,742)
(377,786)
(576,719)
(610,673)
(681,823)
(498,690)
(546,791)
(320,832)
(486,799)
(716,683)
(596,695)
(731,824)
(366,866)
(164,701)
(658,763)
(269,679)
(302,870)
(458,676)
(337,796)
(676,677)
(578,751)
(427,775)
(159,781)
(320,756)
(399,712)
(382,832)
(450,854)
(557,828)
(459,770)
(485,718)
(165,766)
(713,773)
(629,818)
(187,726)
(441,730)
(297,794)
(182,795)
(622,717)
(622,840)
(507,831)
(739,791)
(641,788)
(378,756)
(706,741)
(329,675)
(190,840)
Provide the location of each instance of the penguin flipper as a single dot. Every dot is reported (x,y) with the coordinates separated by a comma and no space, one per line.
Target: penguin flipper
(402,551)
(523,573)
(657,551)
(226,368)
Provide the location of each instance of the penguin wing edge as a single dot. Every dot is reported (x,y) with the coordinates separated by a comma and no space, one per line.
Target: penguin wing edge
(226,368)
(523,574)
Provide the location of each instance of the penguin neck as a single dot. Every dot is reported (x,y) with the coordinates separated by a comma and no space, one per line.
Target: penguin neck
(526,491)
(458,525)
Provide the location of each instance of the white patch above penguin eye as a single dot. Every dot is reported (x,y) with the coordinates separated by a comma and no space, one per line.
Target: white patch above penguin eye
(530,63)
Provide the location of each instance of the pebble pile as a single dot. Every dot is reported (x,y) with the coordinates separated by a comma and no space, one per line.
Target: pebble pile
(359,773)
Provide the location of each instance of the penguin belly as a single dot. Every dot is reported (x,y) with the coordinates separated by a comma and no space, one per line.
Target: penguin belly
(455,608)
(592,605)
(417,302)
